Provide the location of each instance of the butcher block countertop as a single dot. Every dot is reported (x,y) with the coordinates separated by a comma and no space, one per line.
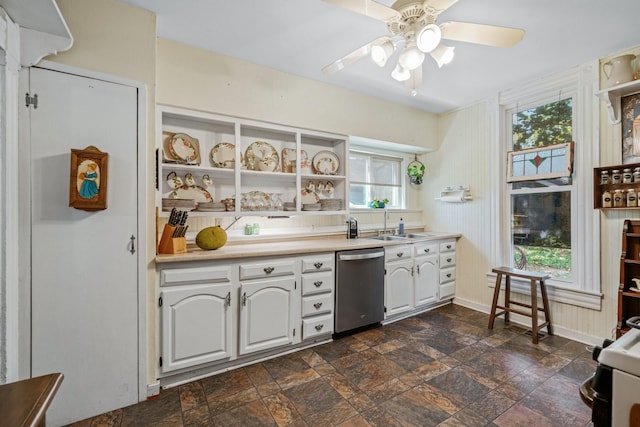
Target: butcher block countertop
(290,246)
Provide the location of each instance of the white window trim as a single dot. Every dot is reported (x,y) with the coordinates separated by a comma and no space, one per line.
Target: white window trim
(582,82)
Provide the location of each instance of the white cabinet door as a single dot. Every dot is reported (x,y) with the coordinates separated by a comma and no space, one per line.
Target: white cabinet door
(267,310)
(426,279)
(196,325)
(398,285)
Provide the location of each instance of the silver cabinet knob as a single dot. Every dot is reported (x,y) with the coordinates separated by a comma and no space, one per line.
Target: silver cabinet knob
(318,283)
(319,327)
(268,270)
(318,265)
(317,305)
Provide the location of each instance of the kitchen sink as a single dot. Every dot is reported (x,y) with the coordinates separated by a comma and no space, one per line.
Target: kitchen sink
(385,237)
(415,235)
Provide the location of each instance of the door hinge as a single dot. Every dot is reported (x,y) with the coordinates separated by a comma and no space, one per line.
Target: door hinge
(385,271)
(294,332)
(31,100)
(160,302)
(385,308)
(295,284)
(160,361)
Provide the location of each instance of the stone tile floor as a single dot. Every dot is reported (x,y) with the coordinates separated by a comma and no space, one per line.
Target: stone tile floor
(440,368)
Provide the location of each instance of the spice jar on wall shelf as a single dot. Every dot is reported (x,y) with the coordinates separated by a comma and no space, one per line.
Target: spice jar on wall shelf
(627,176)
(619,199)
(606,199)
(605,178)
(632,198)
(616,177)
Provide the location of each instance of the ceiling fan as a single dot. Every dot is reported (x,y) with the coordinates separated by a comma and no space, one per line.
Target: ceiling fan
(414,23)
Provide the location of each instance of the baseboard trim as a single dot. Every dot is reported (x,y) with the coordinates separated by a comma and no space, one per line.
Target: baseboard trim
(526,322)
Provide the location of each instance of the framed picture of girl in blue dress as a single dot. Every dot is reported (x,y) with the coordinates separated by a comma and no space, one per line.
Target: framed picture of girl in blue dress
(88,179)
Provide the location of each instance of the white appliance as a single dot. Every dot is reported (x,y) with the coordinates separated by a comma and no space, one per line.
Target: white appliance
(615,387)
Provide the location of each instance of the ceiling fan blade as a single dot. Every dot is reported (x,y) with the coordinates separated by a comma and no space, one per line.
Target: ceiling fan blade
(352,57)
(437,6)
(489,35)
(369,8)
(415,81)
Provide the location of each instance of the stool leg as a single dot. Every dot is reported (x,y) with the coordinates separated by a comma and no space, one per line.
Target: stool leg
(545,305)
(496,293)
(507,297)
(534,312)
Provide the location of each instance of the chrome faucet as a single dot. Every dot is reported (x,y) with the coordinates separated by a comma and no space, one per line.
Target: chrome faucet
(384,231)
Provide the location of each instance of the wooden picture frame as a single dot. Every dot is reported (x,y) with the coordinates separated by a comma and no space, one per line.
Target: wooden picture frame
(548,162)
(88,179)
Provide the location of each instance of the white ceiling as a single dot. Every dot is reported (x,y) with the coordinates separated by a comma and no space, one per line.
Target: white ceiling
(302,36)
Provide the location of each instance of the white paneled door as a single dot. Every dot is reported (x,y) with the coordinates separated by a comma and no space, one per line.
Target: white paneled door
(84,298)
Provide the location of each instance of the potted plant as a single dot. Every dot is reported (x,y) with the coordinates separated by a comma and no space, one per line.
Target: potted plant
(377,204)
(415,172)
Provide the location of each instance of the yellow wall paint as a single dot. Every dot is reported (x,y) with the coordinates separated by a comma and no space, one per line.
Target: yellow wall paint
(194,78)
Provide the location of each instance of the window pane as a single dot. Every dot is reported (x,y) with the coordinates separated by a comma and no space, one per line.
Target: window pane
(357,168)
(546,124)
(375,176)
(541,230)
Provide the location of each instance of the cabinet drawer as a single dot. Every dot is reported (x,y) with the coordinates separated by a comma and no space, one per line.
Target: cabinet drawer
(267,269)
(315,326)
(447,290)
(447,259)
(318,263)
(317,304)
(425,248)
(176,276)
(317,283)
(447,275)
(448,246)
(394,253)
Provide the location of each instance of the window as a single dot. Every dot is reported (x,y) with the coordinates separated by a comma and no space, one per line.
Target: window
(548,223)
(375,176)
(541,209)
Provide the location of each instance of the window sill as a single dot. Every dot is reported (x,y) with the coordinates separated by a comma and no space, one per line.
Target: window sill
(579,298)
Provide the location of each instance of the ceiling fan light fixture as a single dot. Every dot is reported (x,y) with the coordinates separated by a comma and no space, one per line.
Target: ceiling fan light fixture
(380,53)
(400,73)
(411,58)
(428,37)
(442,54)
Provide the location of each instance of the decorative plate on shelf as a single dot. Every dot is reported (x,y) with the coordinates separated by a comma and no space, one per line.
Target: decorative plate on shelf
(261,156)
(195,192)
(326,163)
(223,155)
(309,197)
(289,157)
(185,148)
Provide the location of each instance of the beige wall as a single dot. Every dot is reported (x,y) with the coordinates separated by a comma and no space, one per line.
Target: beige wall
(194,78)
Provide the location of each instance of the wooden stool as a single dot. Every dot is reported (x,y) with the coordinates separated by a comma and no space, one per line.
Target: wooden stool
(534,277)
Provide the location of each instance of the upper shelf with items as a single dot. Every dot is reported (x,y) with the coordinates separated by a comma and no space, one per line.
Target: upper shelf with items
(238,167)
(611,97)
(616,186)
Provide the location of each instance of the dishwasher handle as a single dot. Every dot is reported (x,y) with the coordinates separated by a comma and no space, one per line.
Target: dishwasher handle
(355,257)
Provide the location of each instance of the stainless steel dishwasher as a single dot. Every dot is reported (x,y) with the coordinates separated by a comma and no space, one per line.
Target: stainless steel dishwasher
(359,288)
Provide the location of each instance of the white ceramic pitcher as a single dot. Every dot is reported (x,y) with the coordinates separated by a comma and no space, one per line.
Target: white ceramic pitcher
(618,70)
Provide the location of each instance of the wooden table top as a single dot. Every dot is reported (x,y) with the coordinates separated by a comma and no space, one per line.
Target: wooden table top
(25,402)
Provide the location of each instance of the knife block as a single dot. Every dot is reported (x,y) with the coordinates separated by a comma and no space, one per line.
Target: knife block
(169,244)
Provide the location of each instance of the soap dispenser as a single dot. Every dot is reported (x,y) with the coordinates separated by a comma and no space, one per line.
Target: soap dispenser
(401,226)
